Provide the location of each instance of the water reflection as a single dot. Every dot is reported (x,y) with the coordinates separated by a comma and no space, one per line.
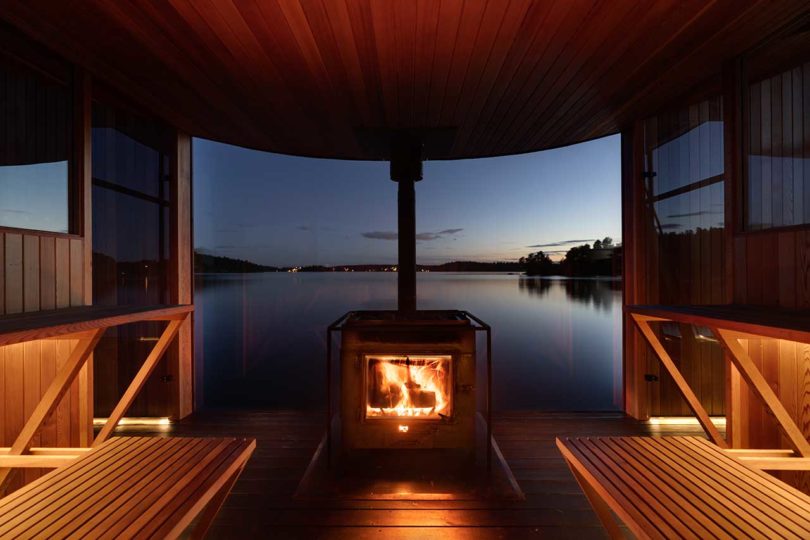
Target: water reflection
(261,337)
(599,293)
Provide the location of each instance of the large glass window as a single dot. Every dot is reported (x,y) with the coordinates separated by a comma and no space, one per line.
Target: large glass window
(130,208)
(131,248)
(683,183)
(35,145)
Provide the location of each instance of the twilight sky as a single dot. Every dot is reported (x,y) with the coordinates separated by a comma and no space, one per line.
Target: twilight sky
(284,211)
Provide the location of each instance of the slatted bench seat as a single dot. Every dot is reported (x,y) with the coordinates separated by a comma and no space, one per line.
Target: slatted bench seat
(129,487)
(682,487)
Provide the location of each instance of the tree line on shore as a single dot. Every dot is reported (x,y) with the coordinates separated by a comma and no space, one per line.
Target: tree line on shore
(601,259)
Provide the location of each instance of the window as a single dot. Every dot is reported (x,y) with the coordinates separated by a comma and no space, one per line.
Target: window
(683,183)
(131,249)
(35,147)
(131,199)
(777,135)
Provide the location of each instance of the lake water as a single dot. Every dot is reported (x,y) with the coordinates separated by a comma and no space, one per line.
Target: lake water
(261,338)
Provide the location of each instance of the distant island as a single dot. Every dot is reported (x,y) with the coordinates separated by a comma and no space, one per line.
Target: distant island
(215,264)
(603,258)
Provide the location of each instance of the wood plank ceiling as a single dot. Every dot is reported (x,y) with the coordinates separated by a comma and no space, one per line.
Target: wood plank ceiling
(324,77)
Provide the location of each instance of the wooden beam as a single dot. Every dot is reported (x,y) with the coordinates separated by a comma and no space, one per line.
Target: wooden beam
(636,402)
(730,341)
(691,399)
(48,451)
(777,463)
(21,327)
(140,379)
(181,275)
(50,399)
(760,452)
(83,206)
(37,462)
(734,410)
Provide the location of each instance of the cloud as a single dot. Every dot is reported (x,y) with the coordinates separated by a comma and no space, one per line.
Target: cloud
(691,214)
(381,235)
(563,243)
(423,236)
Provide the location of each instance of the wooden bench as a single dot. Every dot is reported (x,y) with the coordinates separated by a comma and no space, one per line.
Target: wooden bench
(682,487)
(129,487)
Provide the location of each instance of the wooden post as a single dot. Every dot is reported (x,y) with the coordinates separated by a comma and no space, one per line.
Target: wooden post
(181,277)
(83,225)
(633,270)
(732,81)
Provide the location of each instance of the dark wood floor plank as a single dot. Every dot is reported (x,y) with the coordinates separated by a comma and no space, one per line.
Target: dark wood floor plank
(262,504)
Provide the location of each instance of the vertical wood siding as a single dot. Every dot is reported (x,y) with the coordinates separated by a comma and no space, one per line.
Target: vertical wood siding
(37,272)
(773,247)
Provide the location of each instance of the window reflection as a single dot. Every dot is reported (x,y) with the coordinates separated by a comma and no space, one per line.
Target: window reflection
(35,143)
(131,250)
(777,191)
(685,264)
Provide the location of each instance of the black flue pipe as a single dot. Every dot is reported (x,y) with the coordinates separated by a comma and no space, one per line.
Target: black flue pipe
(406,169)
(406,270)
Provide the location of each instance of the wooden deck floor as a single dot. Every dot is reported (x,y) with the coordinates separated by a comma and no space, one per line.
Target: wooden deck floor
(261,504)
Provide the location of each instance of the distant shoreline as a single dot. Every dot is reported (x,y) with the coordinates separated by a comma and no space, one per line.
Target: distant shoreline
(213,264)
(506,273)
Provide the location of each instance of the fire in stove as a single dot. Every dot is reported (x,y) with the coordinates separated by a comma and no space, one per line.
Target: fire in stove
(409,387)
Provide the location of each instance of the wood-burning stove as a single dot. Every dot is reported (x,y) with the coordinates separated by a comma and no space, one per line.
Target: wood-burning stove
(408,380)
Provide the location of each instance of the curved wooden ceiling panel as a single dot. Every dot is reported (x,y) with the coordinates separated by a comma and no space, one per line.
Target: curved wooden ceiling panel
(323,77)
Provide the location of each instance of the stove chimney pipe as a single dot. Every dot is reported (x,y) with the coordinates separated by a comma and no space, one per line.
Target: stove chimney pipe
(406,169)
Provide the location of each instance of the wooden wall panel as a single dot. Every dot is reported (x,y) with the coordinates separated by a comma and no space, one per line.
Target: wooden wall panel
(14,273)
(37,273)
(47,272)
(772,244)
(31,279)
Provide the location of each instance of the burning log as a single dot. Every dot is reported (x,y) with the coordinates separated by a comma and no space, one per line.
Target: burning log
(402,387)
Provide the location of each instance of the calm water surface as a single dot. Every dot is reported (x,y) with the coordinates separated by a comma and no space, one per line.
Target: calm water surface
(261,338)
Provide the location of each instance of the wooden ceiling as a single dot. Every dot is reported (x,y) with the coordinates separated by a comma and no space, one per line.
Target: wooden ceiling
(326,77)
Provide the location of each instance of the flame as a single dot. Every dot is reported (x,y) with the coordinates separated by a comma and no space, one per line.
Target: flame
(409,386)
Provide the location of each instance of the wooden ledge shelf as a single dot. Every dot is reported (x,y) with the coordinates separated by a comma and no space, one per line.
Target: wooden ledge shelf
(67,322)
(86,325)
(757,321)
(730,324)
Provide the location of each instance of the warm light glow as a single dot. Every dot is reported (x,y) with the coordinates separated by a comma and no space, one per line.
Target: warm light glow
(719,421)
(135,421)
(403,429)
(409,386)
